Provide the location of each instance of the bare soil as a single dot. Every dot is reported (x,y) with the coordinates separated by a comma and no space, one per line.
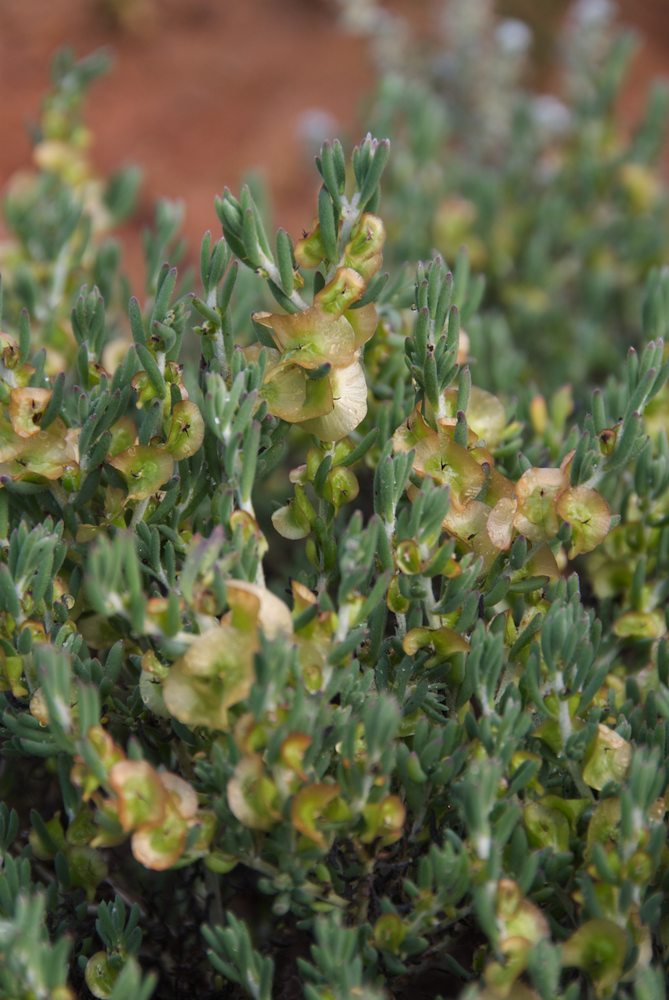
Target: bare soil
(201,92)
(204,90)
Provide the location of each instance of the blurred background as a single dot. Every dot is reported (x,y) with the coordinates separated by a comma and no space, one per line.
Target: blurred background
(203,91)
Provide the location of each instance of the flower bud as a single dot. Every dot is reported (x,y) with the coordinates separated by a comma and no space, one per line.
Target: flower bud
(341,486)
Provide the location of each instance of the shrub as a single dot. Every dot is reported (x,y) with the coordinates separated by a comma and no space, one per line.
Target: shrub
(417,747)
(562,209)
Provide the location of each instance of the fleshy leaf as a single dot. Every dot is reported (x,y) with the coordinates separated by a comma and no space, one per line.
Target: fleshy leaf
(341,486)
(291,395)
(182,795)
(363,252)
(123,435)
(604,825)
(500,523)
(308,806)
(451,465)
(349,396)
(384,819)
(501,977)
(272,615)
(244,604)
(446,641)
(145,469)
(312,336)
(470,525)
(498,487)
(571,809)
(546,827)
(38,707)
(151,693)
(598,947)
(517,917)
(309,251)
(290,523)
(26,408)
(588,515)
(364,322)
(485,413)
(292,752)
(141,796)
(414,431)
(87,868)
(186,430)
(9,350)
(437,455)
(608,758)
(252,796)
(640,625)
(160,847)
(45,455)
(10,442)
(542,562)
(345,288)
(215,673)
(389,932)
(303,598)
(101,975)
(537,491)
(407,556)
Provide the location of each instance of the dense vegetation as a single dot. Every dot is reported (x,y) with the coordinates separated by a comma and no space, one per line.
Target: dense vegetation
(325,671)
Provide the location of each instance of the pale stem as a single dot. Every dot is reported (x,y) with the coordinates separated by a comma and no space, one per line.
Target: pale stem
(349,214)
(138,512)
(273,272)
(430,604)
(59,278)
(344,622)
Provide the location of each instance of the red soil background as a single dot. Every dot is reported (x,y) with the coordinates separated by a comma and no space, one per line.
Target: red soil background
(204,90)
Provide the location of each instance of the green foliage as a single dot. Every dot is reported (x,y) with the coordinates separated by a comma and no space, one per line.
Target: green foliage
(324,672)
(561,210)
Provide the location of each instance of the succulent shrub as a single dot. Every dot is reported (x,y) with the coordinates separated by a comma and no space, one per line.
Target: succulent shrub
(423,749)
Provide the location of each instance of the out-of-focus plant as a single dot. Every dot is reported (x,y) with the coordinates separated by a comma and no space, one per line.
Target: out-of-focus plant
(438,752)
(561,208)
(43,265)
